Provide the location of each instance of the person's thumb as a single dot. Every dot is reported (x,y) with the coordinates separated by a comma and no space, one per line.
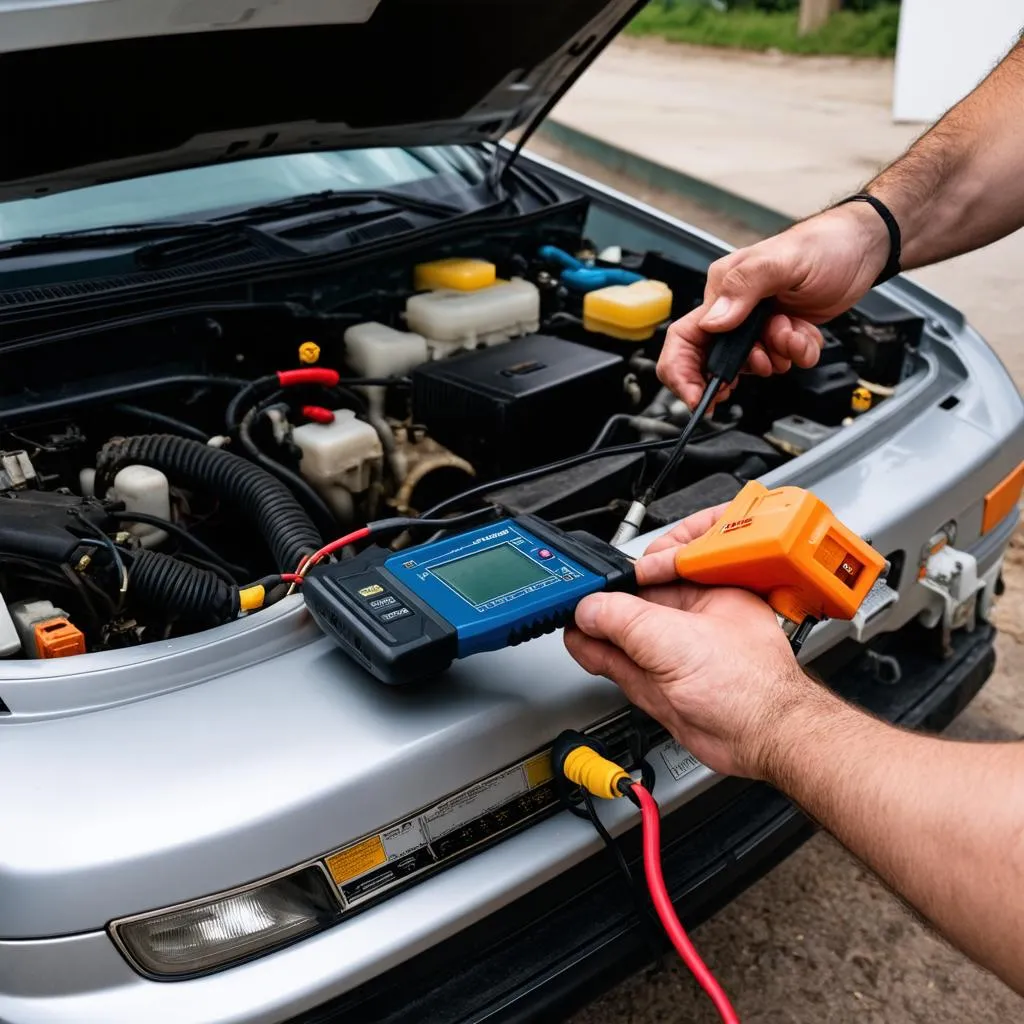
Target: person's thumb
(643,630)
(733,292)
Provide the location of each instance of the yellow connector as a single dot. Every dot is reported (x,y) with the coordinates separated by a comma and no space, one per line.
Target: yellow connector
(252,598)
(309,353)
(593,772)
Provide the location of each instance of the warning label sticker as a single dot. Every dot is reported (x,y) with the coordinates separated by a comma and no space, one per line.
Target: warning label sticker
(356,859)
(471,803)
(403,839)
(679,761)
(461,821)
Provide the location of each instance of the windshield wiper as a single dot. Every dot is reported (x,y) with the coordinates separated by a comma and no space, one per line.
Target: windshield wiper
(127,234)
(334,199)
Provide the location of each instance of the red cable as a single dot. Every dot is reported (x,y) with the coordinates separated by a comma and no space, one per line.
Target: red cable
(308,375)
(317,414)
(335,545)
(291,577)
(666,912)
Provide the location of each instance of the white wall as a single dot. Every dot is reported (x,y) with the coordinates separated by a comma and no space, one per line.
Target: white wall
(945,48)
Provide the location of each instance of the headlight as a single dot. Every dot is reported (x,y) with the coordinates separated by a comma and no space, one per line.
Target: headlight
(229,928)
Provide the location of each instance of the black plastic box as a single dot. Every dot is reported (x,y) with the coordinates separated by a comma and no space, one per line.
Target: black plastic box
(881,334)
(520,404)
(825,392)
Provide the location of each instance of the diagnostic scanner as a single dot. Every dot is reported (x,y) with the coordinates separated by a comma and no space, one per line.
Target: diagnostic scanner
(405,616)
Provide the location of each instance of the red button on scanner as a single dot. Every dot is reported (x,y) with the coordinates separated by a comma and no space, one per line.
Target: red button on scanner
(544,553)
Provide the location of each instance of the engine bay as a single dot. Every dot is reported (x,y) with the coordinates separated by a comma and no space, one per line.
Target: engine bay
(162,475)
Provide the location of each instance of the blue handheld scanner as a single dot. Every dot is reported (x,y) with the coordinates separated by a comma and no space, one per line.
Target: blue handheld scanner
(406,616)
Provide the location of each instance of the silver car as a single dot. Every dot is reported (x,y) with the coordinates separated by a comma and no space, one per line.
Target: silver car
(267,273)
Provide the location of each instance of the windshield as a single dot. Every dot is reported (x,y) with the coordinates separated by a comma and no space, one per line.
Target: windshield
(197,192)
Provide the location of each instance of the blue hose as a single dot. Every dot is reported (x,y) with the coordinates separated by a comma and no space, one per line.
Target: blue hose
(581,277)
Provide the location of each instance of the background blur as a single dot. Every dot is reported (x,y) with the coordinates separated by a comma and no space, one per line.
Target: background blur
(719,111)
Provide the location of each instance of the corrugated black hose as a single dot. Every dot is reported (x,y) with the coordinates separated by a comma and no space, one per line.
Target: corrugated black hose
(260,497)
(180,592)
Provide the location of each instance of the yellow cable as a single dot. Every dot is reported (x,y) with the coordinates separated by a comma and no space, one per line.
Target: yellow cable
(596,774)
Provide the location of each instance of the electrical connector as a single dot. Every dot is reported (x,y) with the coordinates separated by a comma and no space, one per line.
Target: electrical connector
(581,760)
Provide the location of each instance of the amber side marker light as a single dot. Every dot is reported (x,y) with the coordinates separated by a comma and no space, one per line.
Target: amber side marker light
(1000,501)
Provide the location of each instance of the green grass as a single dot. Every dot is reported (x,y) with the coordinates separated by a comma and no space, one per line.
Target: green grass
(870,33)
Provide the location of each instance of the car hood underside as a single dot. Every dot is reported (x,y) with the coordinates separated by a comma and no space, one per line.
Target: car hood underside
(159,86)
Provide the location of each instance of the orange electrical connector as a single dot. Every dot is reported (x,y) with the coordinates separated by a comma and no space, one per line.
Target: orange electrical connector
(58,638)
(786,546)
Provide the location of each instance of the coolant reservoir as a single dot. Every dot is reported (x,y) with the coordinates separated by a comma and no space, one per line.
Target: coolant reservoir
(146,490)
(630,312)
(456,272)
(451,320)
(339,459)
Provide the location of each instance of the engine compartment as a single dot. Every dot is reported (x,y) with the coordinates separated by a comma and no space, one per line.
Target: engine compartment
(161,475)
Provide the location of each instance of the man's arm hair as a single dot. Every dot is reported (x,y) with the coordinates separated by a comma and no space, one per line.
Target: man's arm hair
(960,186)
(941,822)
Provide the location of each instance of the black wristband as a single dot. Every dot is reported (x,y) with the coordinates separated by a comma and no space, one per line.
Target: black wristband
(892,266)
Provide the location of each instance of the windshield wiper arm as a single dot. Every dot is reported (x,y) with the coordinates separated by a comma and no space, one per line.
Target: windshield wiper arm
(333,199)
(120,234)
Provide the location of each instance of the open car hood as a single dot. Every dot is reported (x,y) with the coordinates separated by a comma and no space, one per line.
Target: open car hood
(98,90)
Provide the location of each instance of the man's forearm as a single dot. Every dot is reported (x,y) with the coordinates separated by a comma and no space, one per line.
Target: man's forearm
(961,185)
(941,822)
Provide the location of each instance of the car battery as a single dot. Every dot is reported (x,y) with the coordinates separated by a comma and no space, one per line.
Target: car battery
(516,405)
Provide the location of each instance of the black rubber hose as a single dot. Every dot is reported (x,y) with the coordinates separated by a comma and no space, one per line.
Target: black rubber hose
(179,591)
(262,499)
(318,509)
(163,420)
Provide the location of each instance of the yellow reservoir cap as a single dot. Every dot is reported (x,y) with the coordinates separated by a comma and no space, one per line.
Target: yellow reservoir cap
(457,272)
(629,312)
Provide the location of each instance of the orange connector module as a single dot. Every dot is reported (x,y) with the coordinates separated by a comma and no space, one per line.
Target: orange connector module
(786,546)
(57,638)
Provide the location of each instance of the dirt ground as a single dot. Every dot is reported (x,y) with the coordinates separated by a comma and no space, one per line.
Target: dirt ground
(819,939)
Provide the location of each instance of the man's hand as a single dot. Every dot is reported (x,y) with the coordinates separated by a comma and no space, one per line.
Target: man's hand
(709,663)
(814,271)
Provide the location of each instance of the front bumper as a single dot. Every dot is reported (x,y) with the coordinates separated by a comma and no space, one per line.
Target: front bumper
(564,944)
(558,945)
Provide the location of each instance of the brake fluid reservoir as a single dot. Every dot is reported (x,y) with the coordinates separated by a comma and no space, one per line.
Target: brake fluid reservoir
(456,272)
(630,312)
(376,350)
(451,320)
(339,459)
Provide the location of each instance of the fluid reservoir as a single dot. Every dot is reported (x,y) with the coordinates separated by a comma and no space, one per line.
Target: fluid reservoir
(630,312)
(451,320)
(146,490)
(376,350)
(339,459)
(457,273)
